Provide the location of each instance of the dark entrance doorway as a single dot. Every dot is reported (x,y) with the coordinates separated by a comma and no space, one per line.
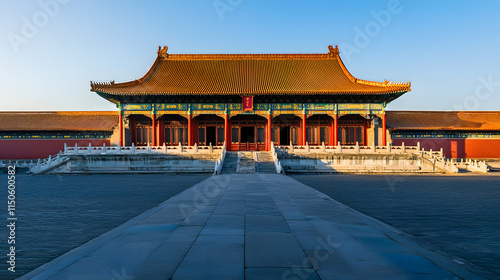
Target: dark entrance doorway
(210,130)
(175,130)
(284,135)
(248,134)
(211,135)
(142,130)
(285,128)
(352,129)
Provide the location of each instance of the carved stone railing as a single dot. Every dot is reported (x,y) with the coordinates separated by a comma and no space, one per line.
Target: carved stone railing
(473,165)
(17,163)
(139,150)
(439,161)
(45,165)
(356,149)
(277,163)
(435,157)
(53,161)
(220,160)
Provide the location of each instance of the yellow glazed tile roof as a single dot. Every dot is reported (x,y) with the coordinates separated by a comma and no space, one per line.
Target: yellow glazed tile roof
(248,74)
(444,120)
(59,121)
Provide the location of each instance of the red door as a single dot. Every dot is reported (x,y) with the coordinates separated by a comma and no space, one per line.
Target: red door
(454,149)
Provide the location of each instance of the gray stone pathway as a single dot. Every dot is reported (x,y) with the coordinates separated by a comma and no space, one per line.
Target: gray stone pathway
(251,226)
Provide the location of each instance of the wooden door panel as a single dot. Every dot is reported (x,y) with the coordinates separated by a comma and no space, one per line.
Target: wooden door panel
(454,149)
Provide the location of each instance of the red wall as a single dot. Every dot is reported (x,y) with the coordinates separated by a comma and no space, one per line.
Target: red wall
(482,148)
(41,148)
(466,148)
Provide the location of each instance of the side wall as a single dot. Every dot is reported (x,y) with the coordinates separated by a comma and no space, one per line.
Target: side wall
(482,148)
(41,148)
(465,148)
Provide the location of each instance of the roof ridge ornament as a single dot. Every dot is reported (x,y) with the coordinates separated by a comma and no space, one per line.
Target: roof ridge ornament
(162,53)
(333,52)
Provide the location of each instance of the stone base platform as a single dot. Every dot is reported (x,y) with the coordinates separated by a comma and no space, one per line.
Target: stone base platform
(357,163)
(252,226)
(155,163)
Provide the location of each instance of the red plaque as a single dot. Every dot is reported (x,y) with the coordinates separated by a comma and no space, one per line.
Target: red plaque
(247,103)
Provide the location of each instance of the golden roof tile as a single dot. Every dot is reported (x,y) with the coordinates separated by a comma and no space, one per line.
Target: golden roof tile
(59,121)
(444,120)
(248,74)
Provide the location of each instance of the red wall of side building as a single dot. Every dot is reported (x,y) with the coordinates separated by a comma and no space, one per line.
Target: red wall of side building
(41,148)
(466,148)
(482,148)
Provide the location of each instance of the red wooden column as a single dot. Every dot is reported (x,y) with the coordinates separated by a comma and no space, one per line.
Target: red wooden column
(153,116)
(335,130)
(384,133)
(190,130)
(330,133)
(268,133)
(120,126)
(226,132)
(304,117)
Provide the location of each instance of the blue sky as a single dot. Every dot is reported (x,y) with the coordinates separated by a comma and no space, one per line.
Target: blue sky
(52,49)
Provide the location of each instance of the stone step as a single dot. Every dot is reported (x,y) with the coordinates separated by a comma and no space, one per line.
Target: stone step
(246,163)
(265,163)
(230,163)
(264,157)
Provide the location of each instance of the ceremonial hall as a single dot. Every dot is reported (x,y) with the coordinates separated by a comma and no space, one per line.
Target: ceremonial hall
(246,102)
(249,100)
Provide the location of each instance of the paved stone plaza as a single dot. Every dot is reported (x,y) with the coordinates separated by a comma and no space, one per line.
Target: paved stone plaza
(252,226)
(59,213)
(454,214)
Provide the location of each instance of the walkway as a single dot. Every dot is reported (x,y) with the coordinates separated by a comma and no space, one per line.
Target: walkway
(251,226)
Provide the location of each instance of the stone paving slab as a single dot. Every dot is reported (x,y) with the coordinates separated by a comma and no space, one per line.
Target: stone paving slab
(252,226)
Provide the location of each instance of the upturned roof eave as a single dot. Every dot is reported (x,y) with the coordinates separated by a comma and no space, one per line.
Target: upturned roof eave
(163,93)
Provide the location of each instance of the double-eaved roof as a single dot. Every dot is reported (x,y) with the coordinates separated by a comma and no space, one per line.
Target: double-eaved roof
(249,74)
